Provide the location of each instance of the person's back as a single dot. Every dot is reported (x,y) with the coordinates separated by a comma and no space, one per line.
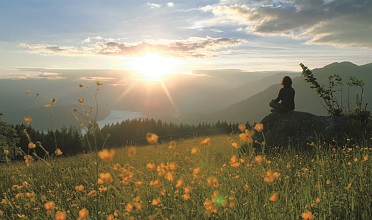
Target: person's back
(287,97)
(285,100)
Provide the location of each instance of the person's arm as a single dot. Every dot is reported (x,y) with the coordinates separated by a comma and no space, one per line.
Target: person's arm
(279,96)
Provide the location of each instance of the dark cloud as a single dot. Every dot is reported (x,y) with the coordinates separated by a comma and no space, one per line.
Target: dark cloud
(335,22)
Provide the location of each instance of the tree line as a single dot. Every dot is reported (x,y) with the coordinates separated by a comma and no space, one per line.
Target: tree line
(73,140)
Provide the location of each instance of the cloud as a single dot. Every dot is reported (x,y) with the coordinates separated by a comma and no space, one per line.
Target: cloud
(333,22)
(190,47)
(97,78)
(153,5)
(53,49)
(170,4)
(50,75)
(29,73)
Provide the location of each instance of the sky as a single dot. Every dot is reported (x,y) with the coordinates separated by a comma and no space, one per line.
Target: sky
(250,35)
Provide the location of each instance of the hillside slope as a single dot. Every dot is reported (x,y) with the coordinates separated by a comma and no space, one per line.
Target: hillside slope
(255,108)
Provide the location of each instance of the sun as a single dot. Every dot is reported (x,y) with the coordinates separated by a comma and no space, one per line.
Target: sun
(154,66)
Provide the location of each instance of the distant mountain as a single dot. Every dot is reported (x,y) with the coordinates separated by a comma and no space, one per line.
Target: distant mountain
(255,108)
(220,99)
(121,90)
(205,95)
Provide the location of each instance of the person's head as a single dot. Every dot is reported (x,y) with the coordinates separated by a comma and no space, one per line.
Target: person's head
(286,81)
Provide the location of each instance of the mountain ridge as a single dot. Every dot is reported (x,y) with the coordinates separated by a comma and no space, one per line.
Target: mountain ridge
(179,99)
(254,108)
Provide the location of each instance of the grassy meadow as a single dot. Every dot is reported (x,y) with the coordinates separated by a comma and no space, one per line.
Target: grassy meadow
(199,178)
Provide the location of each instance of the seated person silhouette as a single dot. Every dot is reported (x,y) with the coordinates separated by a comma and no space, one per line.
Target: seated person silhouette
(285,100)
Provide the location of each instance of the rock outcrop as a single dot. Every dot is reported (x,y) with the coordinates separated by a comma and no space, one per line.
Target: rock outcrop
(298,129)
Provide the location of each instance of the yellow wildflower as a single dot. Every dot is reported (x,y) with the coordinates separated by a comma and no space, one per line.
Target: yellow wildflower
(173,166)
(196,172)
(49,206)
(81,100)
(19,195)
(132,151)
(106,177)
(234,161)
(169,177)
(317,200)
(31,145)
(186,196)
(79,188)
(151,166)
(155,183)
(213,181)
(365,158)
(99,83)
(92,193)
(156,201)
(163,192)
(30,195)
(274,197)
(194,150)
(206,141)
(106,155)
(48,105)
(137,205)
(242,127)
(111,217)
(328,182)
(234,144)
(258,159)
(172,145)
(246,136)
(129,207)
(180,184)
(152,138)
(348,186)
(116,167)
(138,184)
(102,189)
(27,120)
(61,215)
(126,175)
(6,152)
(83,214)
(209,207)
(276,175)
(258,127)
(270,176)
(58,152)
(100,181)
(308,216)
(188,189)
(28,159)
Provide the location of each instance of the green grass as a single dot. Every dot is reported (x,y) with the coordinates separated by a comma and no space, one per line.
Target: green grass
(338,177)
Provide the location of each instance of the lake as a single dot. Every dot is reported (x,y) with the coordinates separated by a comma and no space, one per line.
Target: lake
(119,116)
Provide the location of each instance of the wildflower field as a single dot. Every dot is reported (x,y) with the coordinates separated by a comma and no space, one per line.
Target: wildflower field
(200,178)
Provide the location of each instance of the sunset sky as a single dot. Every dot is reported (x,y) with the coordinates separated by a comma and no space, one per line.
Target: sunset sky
(249,35)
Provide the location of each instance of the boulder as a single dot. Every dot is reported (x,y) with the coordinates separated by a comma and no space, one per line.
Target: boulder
(298,129)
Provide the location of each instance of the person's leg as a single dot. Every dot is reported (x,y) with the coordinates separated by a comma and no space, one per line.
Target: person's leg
(278,107)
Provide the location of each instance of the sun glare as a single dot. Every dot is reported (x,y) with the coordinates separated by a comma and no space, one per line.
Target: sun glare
(153,66)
